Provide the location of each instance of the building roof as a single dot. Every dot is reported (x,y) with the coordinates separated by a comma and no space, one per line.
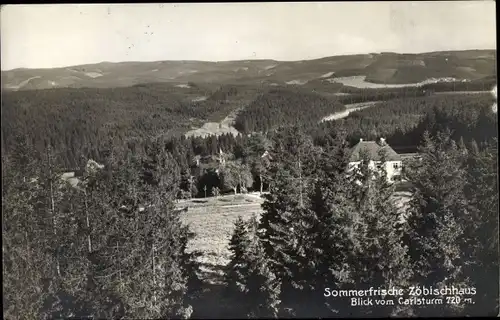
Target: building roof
(374,150)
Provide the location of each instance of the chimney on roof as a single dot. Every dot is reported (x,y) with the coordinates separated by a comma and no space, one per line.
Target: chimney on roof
(381,141)
(360,139)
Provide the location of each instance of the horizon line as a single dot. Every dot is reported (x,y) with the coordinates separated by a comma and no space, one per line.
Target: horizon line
(238,60)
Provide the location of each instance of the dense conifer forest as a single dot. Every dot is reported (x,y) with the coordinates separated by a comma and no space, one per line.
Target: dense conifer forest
(402,122)
(280,107)
(115,245)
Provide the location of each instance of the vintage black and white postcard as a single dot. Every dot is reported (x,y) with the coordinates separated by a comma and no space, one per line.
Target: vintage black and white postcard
(249,160)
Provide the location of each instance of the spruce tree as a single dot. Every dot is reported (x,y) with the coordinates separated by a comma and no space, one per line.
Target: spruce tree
(25,261)
(286,211)
(331,232)
(237,270)
(51,235)
(50,206)
(155,282)
(437,210)
(188,184)
(252,287)
(138,264)
(481,227)
(263,285)
(380,258)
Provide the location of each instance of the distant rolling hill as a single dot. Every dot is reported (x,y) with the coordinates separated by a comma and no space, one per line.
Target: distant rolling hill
(386,68)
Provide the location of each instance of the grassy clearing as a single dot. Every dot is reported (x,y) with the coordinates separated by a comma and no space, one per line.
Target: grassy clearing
(213,222)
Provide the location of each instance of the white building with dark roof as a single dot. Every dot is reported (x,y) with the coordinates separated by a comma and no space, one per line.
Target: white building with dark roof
(375,151)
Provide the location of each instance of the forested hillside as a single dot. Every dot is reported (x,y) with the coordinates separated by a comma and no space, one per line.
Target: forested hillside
(355,95)
(381,68)
(115,246)
(280,107)
(84,123)
(79,121)
(400,120)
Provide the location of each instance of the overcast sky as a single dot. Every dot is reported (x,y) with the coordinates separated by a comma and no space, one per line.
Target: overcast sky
(56,35)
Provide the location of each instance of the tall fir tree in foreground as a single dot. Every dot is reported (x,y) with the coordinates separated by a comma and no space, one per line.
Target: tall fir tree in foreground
(26,263)
(51,239)
(331,232)
(252,288)
(286,210)
(145,250)
(437,211)
(379,258)
(110,246)
(481,227)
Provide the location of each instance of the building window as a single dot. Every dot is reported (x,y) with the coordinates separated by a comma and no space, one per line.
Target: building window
(395,165)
